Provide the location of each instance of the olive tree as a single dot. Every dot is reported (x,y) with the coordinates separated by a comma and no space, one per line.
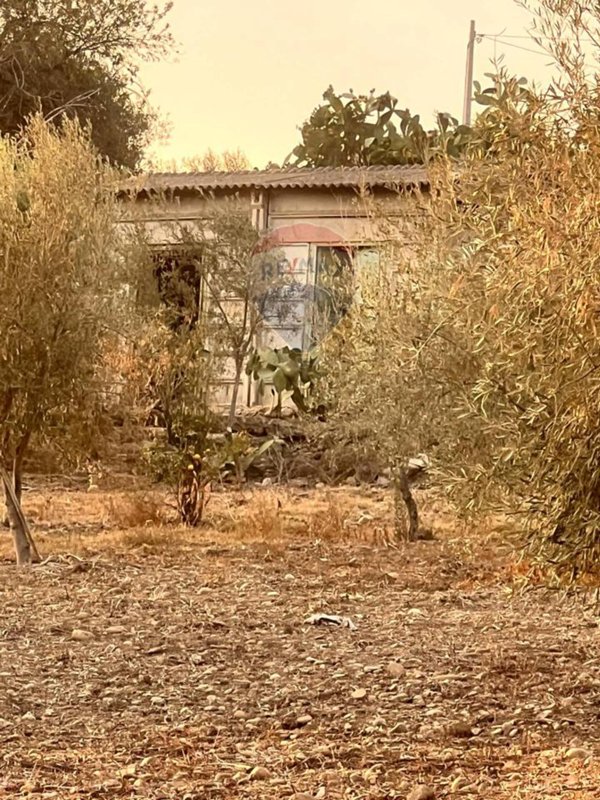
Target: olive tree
(496,353)
(382,382)
(243,281)
(58,291)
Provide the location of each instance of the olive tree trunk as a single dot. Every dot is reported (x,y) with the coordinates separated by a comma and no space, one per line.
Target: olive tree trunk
(239,367)
(17,479)
(25,549)
(405,506)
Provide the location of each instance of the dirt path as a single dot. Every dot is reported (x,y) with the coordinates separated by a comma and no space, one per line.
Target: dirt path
(143,671)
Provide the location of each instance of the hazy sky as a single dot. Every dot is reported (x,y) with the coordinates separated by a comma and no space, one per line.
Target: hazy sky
(249,72)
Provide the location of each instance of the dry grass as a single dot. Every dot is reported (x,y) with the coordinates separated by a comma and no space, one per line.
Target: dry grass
(84,521)
(136,509)
(258,519)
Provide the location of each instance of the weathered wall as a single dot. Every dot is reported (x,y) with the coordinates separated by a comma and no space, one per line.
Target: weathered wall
(298,221)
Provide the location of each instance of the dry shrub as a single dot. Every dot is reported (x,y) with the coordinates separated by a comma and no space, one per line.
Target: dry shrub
(336,524)
(136,509)
(260,520)
(331,523)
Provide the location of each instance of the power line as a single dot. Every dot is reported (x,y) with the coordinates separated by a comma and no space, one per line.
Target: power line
(497,40)
(534,36)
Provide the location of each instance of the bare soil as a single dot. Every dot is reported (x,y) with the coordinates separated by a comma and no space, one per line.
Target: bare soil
(143,660)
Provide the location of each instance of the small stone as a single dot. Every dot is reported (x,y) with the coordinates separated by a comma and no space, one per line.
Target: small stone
(157,700)
(302,796)
(395,669)
(422,792)
(578,752)
(351,481)
(113,630)
(239,714)
(359,694)
(370,667)
(291,721)
(319,485)
(260,774)
(80,635)
(460,729)
(267,482)
(29,715)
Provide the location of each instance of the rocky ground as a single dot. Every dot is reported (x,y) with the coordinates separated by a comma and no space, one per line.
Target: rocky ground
(141,660)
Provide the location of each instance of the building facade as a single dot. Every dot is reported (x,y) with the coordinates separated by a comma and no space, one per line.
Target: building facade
(315,218)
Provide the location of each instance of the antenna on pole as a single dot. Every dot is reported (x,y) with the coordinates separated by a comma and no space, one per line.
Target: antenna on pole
(469,75)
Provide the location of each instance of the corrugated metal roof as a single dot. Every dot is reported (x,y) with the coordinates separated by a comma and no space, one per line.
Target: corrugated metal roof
(304,177)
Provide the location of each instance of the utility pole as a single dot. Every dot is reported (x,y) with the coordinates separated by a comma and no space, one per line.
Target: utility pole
(469,74)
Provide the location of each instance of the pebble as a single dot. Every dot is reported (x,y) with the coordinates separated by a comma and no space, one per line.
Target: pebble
(113,630)
(80,635)
(395,669)
(157,700)
(460,729)
(304,719)
(359,694)
(260,774)
(578,752)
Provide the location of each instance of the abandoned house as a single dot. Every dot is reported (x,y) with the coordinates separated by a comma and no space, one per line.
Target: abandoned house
(315,217)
